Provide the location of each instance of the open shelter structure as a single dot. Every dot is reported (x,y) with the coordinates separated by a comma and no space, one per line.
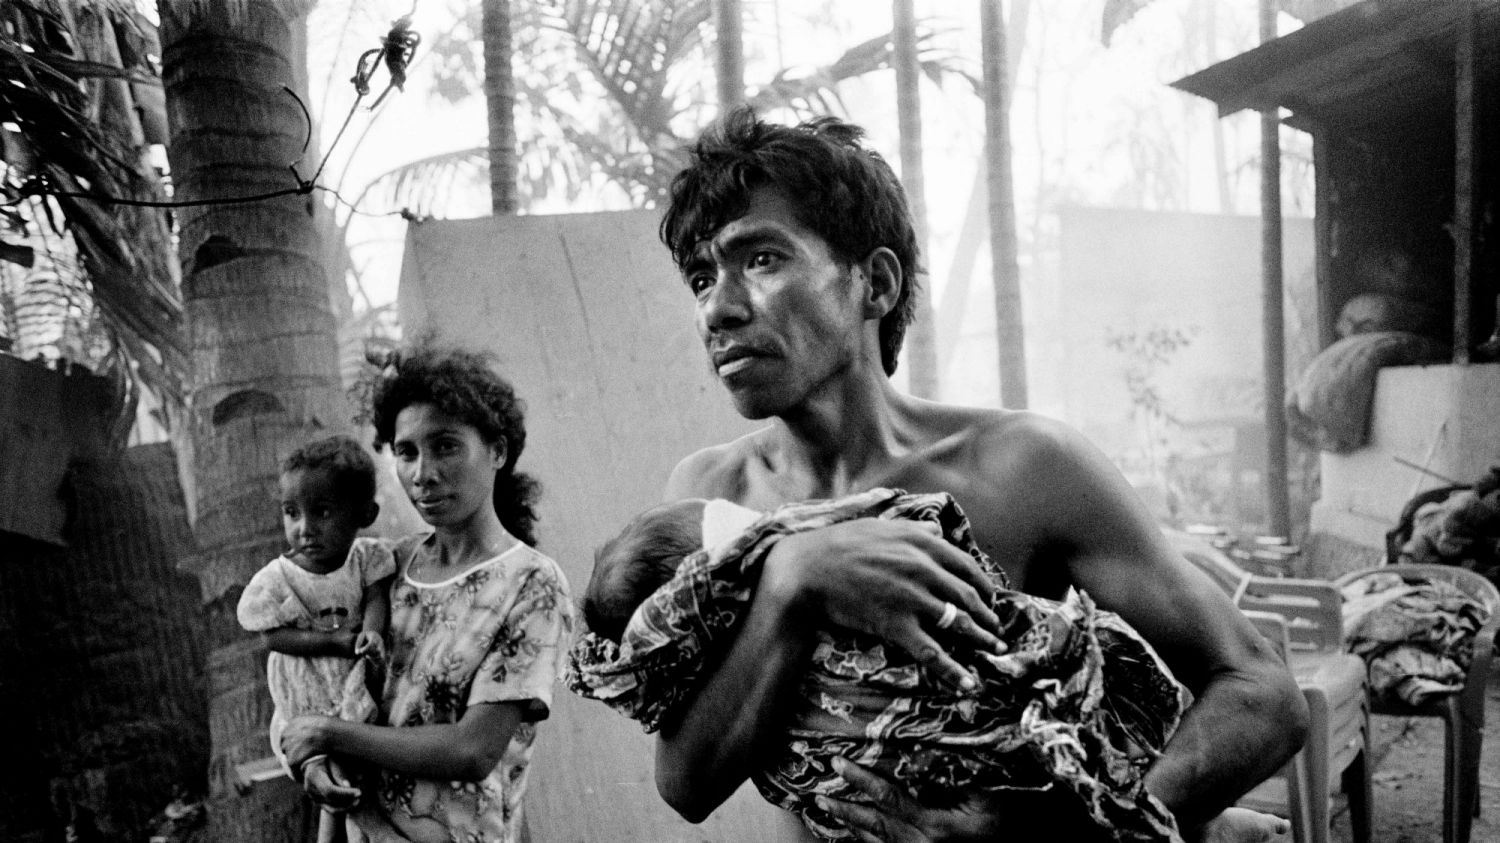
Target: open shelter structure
(1402,99)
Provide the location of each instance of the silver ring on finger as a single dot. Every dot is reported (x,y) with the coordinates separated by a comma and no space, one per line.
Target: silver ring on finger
(950,614)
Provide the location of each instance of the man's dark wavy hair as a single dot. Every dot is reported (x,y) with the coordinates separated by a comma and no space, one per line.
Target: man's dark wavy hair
(842,190)
(461,384)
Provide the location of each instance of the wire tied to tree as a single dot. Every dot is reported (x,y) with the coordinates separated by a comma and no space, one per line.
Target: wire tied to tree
(395,52)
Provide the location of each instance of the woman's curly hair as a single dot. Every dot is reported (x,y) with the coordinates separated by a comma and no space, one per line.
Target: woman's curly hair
(462,384)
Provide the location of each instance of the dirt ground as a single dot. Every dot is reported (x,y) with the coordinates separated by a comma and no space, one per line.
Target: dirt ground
(1408,779)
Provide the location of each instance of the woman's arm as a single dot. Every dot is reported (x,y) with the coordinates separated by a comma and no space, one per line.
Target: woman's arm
(464,751)
(307,642)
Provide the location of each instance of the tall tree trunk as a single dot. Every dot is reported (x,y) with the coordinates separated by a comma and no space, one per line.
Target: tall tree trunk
(921,347)
(500,103)
(950,309)
(1209,11)
(1006,270)
(729,32)
(264,353)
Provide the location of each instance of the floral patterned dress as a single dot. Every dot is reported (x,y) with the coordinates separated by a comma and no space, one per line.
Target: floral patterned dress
(495,633)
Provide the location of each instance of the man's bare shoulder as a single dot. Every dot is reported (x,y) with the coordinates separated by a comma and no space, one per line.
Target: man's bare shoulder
(1008,443)
(718,471)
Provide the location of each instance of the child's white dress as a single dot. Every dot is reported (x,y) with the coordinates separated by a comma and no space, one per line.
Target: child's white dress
(282,594)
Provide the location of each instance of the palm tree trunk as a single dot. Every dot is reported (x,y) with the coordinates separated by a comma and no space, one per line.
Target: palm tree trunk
(949,317)
(729,33)
(921,344)
(500,103)
(1006,271)
(264,358)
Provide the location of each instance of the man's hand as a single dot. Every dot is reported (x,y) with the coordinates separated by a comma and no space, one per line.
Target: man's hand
(895,818)
(1242,825)
(891,579)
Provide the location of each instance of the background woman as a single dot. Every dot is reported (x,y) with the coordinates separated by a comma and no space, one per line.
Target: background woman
(479,619)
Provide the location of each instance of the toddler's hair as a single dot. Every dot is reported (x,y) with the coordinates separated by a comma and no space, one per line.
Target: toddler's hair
(638,561)
(342,456)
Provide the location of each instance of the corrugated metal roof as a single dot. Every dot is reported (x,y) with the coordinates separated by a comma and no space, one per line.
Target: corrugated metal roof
(1378,66)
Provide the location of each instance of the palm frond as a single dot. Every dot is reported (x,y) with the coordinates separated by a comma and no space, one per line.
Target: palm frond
(427,186)
(815,91)
(630,48)
(79,133)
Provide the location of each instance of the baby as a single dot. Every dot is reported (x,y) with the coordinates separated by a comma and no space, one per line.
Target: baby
(323,605)
(1078,702)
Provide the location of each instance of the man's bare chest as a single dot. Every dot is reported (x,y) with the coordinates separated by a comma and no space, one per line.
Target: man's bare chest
(1002,516)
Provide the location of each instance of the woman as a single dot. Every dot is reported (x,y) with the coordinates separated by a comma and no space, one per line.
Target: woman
(479,619)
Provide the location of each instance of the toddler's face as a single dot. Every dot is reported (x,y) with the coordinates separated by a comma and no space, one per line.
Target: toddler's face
(318,525)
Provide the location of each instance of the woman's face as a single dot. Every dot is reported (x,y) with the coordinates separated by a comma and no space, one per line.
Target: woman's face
(446,467)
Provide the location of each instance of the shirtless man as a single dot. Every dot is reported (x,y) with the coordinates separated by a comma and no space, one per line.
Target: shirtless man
(798,247)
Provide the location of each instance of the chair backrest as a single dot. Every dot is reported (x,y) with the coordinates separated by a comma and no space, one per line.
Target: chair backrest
(1225,572)
(1313,610)
(1272,627)
(1467,581)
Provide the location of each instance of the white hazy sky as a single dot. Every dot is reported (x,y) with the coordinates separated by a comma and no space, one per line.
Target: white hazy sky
(1090,126)
(1077,105)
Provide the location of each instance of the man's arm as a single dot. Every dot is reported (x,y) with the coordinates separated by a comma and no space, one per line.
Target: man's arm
(1248,717)
(709,752)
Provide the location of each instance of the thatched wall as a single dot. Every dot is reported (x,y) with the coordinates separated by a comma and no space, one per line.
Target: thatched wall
(101,659)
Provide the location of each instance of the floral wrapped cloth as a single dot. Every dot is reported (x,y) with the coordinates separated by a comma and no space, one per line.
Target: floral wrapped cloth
(1079,701)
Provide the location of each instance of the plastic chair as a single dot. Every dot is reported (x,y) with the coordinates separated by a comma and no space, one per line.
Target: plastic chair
(1273,628)
(1463,712)
(1303,619)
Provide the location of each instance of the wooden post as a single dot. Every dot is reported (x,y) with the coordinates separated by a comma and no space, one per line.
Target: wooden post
(1465,149)
(921,346)
(729,33)
(1324,203)
(1278,506)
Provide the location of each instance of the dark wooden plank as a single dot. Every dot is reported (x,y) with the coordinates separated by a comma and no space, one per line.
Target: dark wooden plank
(1465,150)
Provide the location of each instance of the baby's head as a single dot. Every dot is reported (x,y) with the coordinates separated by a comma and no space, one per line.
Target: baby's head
(638,561)
(327,496)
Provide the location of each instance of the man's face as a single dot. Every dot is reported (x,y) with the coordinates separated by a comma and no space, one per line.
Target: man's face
(778,314)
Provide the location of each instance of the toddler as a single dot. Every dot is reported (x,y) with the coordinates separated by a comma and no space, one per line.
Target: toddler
(323,605)
(1079,702)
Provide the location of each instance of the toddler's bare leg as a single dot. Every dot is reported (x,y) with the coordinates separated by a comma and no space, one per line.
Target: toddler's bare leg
(329,822)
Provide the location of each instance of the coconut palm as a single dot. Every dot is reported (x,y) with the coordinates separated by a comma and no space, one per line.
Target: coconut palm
(1010,336)
(262,340)
(649,64)
(500,102)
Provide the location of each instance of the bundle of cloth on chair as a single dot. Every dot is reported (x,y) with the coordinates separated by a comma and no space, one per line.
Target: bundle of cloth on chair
(1452,525)
(1416,636)
(1079,701)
